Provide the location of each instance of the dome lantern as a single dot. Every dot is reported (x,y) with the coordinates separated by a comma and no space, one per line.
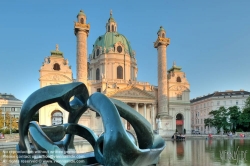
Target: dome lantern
(111,25)
(81,17)
(161,32)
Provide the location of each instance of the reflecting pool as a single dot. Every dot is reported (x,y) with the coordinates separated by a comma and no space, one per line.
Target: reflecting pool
(192,152)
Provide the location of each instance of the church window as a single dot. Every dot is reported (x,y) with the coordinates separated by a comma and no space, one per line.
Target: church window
(178,79)
(98,89)
(163,35)
(82,21)
(119,72)
(108,28)
(56,66)
(179,97)
(97,74)
(119,49)
(113,28)
(97,52)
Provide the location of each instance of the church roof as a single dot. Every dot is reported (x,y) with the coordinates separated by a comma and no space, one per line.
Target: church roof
(110,38)
(174,68)
(56,53)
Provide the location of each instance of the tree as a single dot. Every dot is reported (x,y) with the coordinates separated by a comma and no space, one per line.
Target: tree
(234,117)
(245,116)
(7,119)
(10,121)
(208,122)
(1,119)
(14,123)
(219,119)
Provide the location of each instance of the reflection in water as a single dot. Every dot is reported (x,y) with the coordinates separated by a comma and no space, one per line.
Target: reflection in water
(208,152)
(195,152)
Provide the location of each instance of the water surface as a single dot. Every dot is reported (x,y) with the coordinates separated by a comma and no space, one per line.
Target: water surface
(193,152)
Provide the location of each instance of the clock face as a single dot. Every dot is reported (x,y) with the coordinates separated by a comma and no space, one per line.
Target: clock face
(119,49)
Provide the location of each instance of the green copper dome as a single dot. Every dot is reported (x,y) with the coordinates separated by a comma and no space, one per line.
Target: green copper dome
(161,29)
(81,13)
(109,39)
(111,19)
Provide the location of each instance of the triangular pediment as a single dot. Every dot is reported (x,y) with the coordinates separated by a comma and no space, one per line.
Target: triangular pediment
(131,92)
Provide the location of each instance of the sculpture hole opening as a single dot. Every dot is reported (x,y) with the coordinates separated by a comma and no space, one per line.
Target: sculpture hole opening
(75,103)
(101,147)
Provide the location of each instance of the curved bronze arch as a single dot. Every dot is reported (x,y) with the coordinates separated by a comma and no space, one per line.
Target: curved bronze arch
(114,147)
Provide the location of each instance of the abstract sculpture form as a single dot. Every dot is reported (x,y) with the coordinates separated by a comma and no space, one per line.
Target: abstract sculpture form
(115,147)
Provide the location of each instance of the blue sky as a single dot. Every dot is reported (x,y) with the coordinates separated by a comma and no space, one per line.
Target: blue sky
(209,39)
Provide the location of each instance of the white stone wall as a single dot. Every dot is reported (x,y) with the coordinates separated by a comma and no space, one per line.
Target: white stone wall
(200,110)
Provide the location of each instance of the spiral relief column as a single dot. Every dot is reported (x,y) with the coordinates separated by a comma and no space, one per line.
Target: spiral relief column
(161,44)
(81,32)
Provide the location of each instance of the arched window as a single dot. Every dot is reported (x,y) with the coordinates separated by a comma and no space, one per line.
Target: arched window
(119,49)
(97,74)
(163,35)
(56,66)
(97,52)
(82,21)
(56,117)
(178,79)
(113,29)
(108,28)
(119,72)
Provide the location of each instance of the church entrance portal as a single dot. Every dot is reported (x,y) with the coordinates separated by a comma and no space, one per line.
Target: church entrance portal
(179,123)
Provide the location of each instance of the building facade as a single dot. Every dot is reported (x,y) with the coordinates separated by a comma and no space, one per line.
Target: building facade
(54,70)
(201,106)
(9,103)
(111,68)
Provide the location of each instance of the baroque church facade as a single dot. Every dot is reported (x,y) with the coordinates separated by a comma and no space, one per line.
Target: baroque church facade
(111,69)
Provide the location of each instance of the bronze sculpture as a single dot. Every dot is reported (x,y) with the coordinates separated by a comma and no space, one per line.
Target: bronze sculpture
(54,141)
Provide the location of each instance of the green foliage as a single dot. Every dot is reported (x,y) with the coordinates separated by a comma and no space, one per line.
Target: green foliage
(1,119)
(245,117)
(7,119)
(10,122)
(230,119)
(219,120)
(234,117)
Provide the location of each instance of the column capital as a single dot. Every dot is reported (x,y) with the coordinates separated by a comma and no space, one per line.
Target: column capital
(79,27)
(161,41)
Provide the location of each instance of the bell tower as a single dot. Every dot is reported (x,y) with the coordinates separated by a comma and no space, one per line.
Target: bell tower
(161,44)
(81,29)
